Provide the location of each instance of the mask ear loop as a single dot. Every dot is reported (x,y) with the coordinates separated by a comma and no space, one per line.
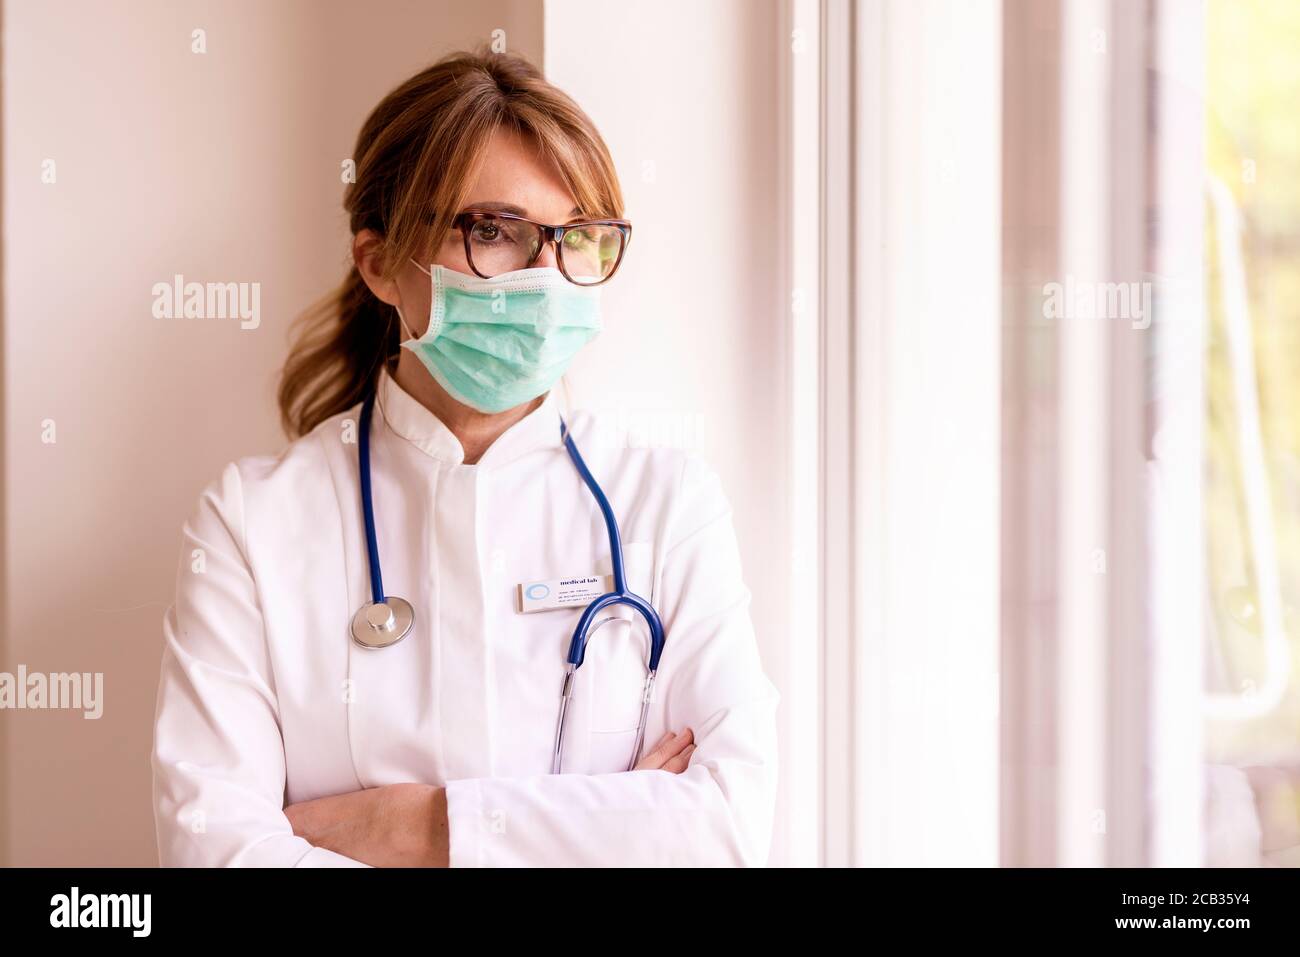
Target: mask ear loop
(402,319)
(405,328)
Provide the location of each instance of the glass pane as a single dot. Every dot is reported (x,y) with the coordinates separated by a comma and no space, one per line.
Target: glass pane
(1252,433)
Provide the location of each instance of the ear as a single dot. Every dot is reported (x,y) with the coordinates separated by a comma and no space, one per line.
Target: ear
(368,254)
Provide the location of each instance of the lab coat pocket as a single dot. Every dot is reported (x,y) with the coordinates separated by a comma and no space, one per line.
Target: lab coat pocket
(616,654)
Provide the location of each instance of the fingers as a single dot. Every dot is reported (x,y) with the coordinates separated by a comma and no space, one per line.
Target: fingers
(666,749)
(678,764)
(654,759)
(672,745)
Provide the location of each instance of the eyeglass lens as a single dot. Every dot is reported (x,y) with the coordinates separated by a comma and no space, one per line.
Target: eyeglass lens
(588,252)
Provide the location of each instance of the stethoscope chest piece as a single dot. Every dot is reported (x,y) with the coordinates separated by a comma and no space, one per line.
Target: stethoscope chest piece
(380,624)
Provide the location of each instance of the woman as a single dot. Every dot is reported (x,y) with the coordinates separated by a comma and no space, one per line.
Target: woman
(283,740)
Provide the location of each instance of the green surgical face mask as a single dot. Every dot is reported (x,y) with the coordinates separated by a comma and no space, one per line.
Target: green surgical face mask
(497,343)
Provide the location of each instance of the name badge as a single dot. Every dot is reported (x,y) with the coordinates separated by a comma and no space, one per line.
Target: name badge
(578,590)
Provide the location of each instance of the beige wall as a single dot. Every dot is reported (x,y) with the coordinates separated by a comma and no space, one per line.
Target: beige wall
(222,166)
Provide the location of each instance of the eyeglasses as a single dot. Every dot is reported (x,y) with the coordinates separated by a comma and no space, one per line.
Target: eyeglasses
(587,253)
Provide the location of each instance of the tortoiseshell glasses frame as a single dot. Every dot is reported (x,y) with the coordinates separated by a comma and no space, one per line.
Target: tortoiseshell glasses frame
(597,234)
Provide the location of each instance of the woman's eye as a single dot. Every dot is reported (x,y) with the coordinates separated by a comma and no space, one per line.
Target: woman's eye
(487,233)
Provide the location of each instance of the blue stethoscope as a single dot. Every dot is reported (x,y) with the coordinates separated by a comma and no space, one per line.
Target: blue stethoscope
(386,619)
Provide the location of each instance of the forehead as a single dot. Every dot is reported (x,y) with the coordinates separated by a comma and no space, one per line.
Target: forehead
(515,176)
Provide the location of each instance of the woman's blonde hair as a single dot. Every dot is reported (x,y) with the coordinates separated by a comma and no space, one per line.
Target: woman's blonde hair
(416,157)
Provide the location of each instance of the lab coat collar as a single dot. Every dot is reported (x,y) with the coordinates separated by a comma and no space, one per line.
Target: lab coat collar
(410,420)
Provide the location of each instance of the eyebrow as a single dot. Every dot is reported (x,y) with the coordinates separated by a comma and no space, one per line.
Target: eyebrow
(512,208)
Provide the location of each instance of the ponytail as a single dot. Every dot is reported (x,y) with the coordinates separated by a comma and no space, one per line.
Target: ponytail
(342,343)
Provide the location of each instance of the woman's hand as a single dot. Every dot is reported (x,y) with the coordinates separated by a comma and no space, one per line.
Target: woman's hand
(672,753)
(399,825)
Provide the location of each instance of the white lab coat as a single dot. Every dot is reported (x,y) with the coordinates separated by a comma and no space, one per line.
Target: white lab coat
(265,701)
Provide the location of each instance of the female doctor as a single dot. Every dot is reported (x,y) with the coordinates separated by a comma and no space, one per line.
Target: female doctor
(366,657)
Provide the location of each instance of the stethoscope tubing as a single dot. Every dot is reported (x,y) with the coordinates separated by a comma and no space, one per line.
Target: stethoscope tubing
(620,594)
(367,500)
